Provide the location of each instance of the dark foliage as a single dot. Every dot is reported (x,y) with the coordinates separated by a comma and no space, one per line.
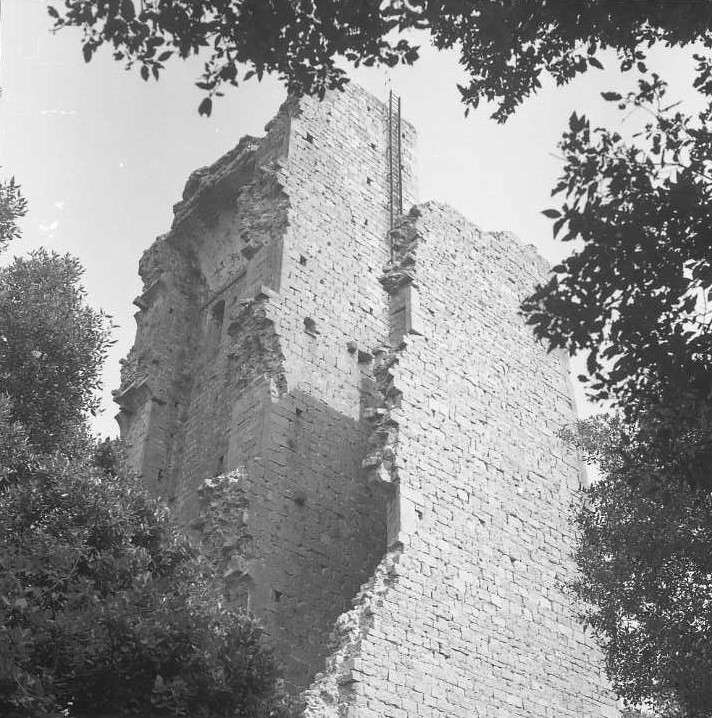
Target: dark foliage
(505,47)
(646,573)
(635,297)
(52,347)
(12,206)
(104,606)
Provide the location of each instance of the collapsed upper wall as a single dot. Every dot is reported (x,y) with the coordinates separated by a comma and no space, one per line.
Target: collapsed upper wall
(223,246)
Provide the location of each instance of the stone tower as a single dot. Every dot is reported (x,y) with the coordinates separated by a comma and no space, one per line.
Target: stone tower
(390,421)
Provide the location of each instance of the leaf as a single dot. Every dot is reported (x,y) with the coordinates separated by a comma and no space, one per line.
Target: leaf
(595,63)
(205,107)
(128,10)
(164,55)
(552,213)
(87,51)
(145,72)
(611,96)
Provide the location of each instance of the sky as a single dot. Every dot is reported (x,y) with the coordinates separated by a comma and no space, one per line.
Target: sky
(102,156)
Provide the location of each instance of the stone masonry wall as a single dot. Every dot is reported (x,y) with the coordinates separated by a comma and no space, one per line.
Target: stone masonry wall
(323,524)
(467,613)
(388,419)
(281,243)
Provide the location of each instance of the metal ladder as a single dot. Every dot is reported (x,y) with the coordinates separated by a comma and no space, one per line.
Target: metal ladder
(395,164)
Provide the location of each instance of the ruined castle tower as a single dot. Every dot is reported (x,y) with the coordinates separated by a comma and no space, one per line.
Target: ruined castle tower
(390,421)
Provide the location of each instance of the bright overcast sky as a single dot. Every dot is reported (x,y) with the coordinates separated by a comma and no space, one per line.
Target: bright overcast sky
(102,156)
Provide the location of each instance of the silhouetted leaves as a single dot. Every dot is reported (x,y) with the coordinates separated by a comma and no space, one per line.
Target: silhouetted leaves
(634,297)
(206,106)
(505,48)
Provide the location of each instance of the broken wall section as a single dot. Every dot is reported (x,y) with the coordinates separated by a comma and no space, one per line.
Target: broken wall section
(154,375)
(223,248)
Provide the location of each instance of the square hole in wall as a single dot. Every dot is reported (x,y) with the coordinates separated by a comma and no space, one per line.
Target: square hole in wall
(310,138)
(302,260)
(310,327)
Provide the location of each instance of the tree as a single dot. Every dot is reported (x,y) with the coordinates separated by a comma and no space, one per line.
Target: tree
(505,47)
(52,346)
(12,206)
(105,606)
(635,295)
(646,573)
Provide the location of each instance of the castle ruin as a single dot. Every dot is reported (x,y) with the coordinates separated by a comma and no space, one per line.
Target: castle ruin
(364,375)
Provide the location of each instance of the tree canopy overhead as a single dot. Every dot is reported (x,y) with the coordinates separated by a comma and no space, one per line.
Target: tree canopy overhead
(506,48)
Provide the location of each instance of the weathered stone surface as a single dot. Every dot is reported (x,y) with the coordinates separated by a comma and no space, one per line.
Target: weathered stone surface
(474,619)
(393,423)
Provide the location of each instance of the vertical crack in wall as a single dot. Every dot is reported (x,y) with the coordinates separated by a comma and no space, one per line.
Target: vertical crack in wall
(380,464)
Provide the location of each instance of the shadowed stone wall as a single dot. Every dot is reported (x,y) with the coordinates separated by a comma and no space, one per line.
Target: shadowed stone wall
(392,420)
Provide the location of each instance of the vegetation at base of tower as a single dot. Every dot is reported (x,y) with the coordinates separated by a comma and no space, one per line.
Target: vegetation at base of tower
(505,48)
(646,572)
(105,607)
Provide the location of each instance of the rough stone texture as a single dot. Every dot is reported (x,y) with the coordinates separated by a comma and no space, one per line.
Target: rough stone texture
(251,351)
(392,423)
(466,614)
